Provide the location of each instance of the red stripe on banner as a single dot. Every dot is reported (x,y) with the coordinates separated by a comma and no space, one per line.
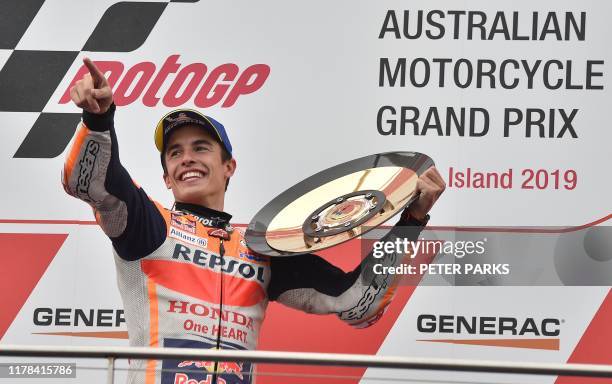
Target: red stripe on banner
(525,229)
(432,228)
(25,258)
(94,334)
(595,345)
(60,222)
(546,344)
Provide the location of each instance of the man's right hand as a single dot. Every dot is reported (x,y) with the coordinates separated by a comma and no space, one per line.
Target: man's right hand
(92,92)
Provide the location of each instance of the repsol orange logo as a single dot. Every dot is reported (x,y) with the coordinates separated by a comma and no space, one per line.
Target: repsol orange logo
(216,263)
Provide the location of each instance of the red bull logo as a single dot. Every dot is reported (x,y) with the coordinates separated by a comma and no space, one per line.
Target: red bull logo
(183,223)
(229,367)
(206,365)
(181,378)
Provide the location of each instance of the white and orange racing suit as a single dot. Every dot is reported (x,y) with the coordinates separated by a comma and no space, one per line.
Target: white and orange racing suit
(188,280)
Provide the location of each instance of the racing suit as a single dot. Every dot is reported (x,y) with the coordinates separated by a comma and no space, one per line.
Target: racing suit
(188,280)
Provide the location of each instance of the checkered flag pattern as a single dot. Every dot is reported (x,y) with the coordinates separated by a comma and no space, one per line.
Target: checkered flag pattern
(30,77)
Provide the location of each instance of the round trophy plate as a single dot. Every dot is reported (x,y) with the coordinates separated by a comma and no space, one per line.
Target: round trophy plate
(337,204)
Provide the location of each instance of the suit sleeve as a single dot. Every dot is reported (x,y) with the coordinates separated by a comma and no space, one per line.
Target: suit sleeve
(93,173)
(360,297)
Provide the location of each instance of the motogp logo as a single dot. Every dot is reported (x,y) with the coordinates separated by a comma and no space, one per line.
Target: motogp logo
(30,77)
(145,82)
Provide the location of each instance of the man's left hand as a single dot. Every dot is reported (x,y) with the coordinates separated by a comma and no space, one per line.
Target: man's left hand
(429,188)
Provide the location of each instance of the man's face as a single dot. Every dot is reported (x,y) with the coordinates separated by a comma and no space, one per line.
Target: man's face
(196,172)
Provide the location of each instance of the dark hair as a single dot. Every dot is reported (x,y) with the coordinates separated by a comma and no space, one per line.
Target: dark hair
(225,156)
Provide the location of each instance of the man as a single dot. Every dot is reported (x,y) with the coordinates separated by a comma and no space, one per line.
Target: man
(186,277)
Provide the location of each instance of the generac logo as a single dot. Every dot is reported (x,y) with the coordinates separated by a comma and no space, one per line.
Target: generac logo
(207,86)
(106,322)
(511,332)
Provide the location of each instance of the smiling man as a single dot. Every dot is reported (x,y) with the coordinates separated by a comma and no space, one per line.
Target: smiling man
(186,277)
(197,162)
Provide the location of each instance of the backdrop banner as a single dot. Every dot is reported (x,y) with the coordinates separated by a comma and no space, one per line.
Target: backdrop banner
(509,98)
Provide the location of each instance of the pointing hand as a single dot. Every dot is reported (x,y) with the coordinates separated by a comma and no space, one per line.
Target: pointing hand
(93,92)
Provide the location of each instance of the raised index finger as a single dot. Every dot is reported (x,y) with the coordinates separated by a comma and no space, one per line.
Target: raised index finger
(96,74)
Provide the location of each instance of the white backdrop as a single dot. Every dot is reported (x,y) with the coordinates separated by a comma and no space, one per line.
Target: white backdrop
(318,107)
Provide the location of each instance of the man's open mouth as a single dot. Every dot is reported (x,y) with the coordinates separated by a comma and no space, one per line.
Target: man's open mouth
(191,175)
